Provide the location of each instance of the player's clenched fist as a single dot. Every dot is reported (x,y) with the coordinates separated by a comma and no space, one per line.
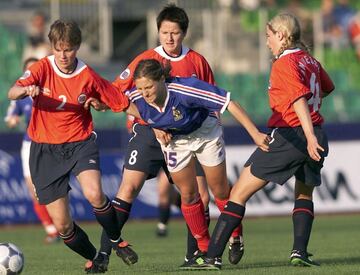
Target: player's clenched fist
(32,90)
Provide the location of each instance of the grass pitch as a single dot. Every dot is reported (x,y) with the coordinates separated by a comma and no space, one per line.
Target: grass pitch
(335,243)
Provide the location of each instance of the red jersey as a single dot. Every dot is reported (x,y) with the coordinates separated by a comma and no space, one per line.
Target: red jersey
(58,115)
(293,75)
(188,64)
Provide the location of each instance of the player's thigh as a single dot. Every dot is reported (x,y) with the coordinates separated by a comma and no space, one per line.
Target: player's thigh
(185,181)
(59,211)
(90,182)
(246,186)
(131,184)
(217,180)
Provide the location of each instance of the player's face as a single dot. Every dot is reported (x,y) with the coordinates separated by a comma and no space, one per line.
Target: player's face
(273,41)
(152,91)
(65,56)
(171,37)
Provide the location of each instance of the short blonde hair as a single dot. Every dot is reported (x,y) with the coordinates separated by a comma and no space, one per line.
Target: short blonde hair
(290,27)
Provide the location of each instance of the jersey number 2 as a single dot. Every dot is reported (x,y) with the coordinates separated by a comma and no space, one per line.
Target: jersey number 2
(61,105)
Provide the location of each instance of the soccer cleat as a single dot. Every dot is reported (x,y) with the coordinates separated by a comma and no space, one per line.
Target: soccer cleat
(124,251)
(299,258)
(98,265)
(161,230)
(201,262)
(236,249)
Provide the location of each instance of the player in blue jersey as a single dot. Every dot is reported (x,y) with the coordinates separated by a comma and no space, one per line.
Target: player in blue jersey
(16,110)
(181,112)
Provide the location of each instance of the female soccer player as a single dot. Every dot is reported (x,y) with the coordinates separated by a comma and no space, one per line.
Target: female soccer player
(144,157)
(182,107)
(63,141)
(16,110)
(298,146)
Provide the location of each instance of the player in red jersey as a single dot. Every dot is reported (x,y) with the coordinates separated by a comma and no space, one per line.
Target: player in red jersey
(16,111)
(298,147)
(63,140)
(144,157)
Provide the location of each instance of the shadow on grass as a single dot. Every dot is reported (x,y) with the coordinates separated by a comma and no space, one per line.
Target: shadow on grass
(323,262)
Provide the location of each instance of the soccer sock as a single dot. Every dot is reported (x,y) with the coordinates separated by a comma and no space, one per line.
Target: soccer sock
(122,209)
(78,241)
(221,204)
(164,213)
(105,243)
(192,246)
(195,218)
(229,219)
(303,216)
(106,216)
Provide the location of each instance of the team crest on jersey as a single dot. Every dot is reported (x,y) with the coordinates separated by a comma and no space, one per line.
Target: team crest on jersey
(82,98)
(25,75)
(176,114)
(125,74)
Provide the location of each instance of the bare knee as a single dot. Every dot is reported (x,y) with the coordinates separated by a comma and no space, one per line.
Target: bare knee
(95,198)
(64,227)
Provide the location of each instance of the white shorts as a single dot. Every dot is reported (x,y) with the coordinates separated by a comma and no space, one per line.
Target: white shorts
(206,144)
(25,154)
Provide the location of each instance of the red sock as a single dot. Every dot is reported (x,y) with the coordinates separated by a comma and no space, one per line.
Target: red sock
(221,205)
(194,216)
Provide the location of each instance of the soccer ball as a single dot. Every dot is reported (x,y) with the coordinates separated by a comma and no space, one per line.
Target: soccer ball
(11,259)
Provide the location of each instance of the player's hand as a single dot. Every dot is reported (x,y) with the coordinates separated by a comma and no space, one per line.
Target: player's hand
(314,148)
(32,90)
(96,104)
(162,136)
(262,141)
(12,121)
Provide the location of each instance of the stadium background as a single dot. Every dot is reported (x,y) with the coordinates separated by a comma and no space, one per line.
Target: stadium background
(230,34)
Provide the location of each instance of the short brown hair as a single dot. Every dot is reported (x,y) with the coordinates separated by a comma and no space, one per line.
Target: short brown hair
(65,31)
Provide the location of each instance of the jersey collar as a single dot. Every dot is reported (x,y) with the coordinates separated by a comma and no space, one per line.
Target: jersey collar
(289,51)
(79,68)
(160,51)
(162,109)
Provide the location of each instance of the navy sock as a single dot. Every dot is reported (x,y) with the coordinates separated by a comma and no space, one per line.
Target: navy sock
(78,241)
(106,216)
(122,209)
(164,213)
(303,216)
(229,219)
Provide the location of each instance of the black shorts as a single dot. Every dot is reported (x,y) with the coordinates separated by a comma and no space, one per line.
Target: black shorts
(144,153)
(51,165)
(288,156)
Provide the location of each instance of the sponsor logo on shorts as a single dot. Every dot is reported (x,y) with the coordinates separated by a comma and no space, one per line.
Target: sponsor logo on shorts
(92,161)
(176,114)
(125,74)
(82,98)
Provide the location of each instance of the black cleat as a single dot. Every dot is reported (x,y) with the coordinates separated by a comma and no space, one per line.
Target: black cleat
(98,265)
(299,258)
(236,249)
(128,255)
(201,262)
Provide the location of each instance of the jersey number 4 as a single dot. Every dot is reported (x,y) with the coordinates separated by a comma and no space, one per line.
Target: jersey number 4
(315,100)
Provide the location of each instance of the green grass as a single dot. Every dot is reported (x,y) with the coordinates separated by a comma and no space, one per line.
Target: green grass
(335,244)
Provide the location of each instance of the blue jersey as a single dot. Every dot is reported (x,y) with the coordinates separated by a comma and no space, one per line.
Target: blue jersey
(188,103)
(21,108)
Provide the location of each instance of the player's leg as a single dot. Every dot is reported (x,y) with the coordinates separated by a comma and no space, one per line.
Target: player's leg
(51,233)
(230,218)
(164,192)
(303,216)
(191,204)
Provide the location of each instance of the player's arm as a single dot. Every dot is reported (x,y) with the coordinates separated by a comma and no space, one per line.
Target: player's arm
(302,110)
(262,140)
(18,92)
(327,85)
